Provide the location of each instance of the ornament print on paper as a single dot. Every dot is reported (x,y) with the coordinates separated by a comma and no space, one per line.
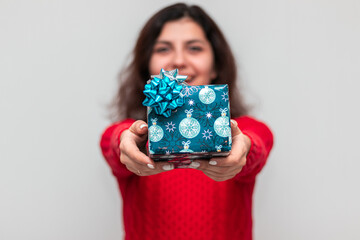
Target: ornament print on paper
(189,90)
(222,124)
(186,146)
(156,133)
(189,127)
(200,128)
(207,95)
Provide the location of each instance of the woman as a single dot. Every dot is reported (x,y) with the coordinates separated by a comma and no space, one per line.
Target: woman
(210,199)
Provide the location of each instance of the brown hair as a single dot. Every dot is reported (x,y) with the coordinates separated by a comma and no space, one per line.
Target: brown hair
(128,101)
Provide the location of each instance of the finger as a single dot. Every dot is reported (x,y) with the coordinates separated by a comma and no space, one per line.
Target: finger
(165,166)
(235,130)
(214,172)
(158,167)
(135,155)
(134,170)
(221,171)
(144,170)
(236,157)
(205,166)
(136,167)
(240,147)
(218,178)
(130,163)
(222,162)
(139,128)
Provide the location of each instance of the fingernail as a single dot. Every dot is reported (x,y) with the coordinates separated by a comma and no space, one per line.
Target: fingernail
(143,125)
(150,166)
(233,122)
(194,165)
(212,162)
(168,167)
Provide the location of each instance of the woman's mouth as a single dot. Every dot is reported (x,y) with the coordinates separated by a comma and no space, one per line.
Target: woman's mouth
(189,79)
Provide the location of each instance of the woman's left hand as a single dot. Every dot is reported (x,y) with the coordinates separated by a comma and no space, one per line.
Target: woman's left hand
(224,168)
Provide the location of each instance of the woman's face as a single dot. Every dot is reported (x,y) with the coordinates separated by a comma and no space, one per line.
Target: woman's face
(182,44)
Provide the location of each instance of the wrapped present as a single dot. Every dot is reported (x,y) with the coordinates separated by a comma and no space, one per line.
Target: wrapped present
(186,122)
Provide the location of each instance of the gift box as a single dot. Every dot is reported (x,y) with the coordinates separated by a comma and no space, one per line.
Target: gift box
(186,122)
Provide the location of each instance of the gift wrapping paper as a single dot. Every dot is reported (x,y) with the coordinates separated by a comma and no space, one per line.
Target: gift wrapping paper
(196,127)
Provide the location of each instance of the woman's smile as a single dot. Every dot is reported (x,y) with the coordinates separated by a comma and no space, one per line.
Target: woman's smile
(190,52)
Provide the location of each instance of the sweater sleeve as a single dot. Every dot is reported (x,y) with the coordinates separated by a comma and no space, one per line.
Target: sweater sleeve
(109,144)
(261,143)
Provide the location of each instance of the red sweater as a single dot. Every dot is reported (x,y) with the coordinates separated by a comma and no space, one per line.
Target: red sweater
(185,203)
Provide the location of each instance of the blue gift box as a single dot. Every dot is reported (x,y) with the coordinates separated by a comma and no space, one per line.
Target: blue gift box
(194,124)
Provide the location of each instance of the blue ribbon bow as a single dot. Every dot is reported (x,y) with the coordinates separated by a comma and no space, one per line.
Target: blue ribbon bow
(163,93)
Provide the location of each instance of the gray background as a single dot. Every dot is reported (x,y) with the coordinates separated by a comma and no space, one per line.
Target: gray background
(299,61)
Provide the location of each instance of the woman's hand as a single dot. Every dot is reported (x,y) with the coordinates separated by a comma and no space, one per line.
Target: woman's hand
(131,141)
(224,168)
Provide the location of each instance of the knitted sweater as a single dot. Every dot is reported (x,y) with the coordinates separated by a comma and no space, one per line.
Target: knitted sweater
(185,203)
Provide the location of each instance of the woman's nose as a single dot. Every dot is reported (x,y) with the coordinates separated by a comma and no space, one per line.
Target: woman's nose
(179,60)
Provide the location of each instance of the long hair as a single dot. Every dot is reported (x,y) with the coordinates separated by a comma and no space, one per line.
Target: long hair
(128,101)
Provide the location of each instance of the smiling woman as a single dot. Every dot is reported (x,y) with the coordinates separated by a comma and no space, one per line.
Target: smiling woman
(190,52)
(178,36)
(207,199)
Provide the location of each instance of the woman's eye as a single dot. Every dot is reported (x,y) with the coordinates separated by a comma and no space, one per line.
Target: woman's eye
(195,49)
(161,49)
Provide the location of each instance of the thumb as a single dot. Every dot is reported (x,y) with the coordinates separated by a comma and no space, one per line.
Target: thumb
(139,128)
(234,128)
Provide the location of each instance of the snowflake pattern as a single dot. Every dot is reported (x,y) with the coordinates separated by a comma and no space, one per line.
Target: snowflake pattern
(208,115)
(207,134)
(191,102)
(170,126)
(225,96)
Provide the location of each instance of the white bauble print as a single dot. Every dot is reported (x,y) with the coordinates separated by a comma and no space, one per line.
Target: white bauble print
(156,133)
(189,127)
(207,95)
(222,124)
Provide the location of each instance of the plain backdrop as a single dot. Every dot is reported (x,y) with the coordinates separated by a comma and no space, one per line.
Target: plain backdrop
(299,63)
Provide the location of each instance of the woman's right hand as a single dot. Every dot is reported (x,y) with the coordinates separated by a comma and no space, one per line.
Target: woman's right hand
(131,141)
